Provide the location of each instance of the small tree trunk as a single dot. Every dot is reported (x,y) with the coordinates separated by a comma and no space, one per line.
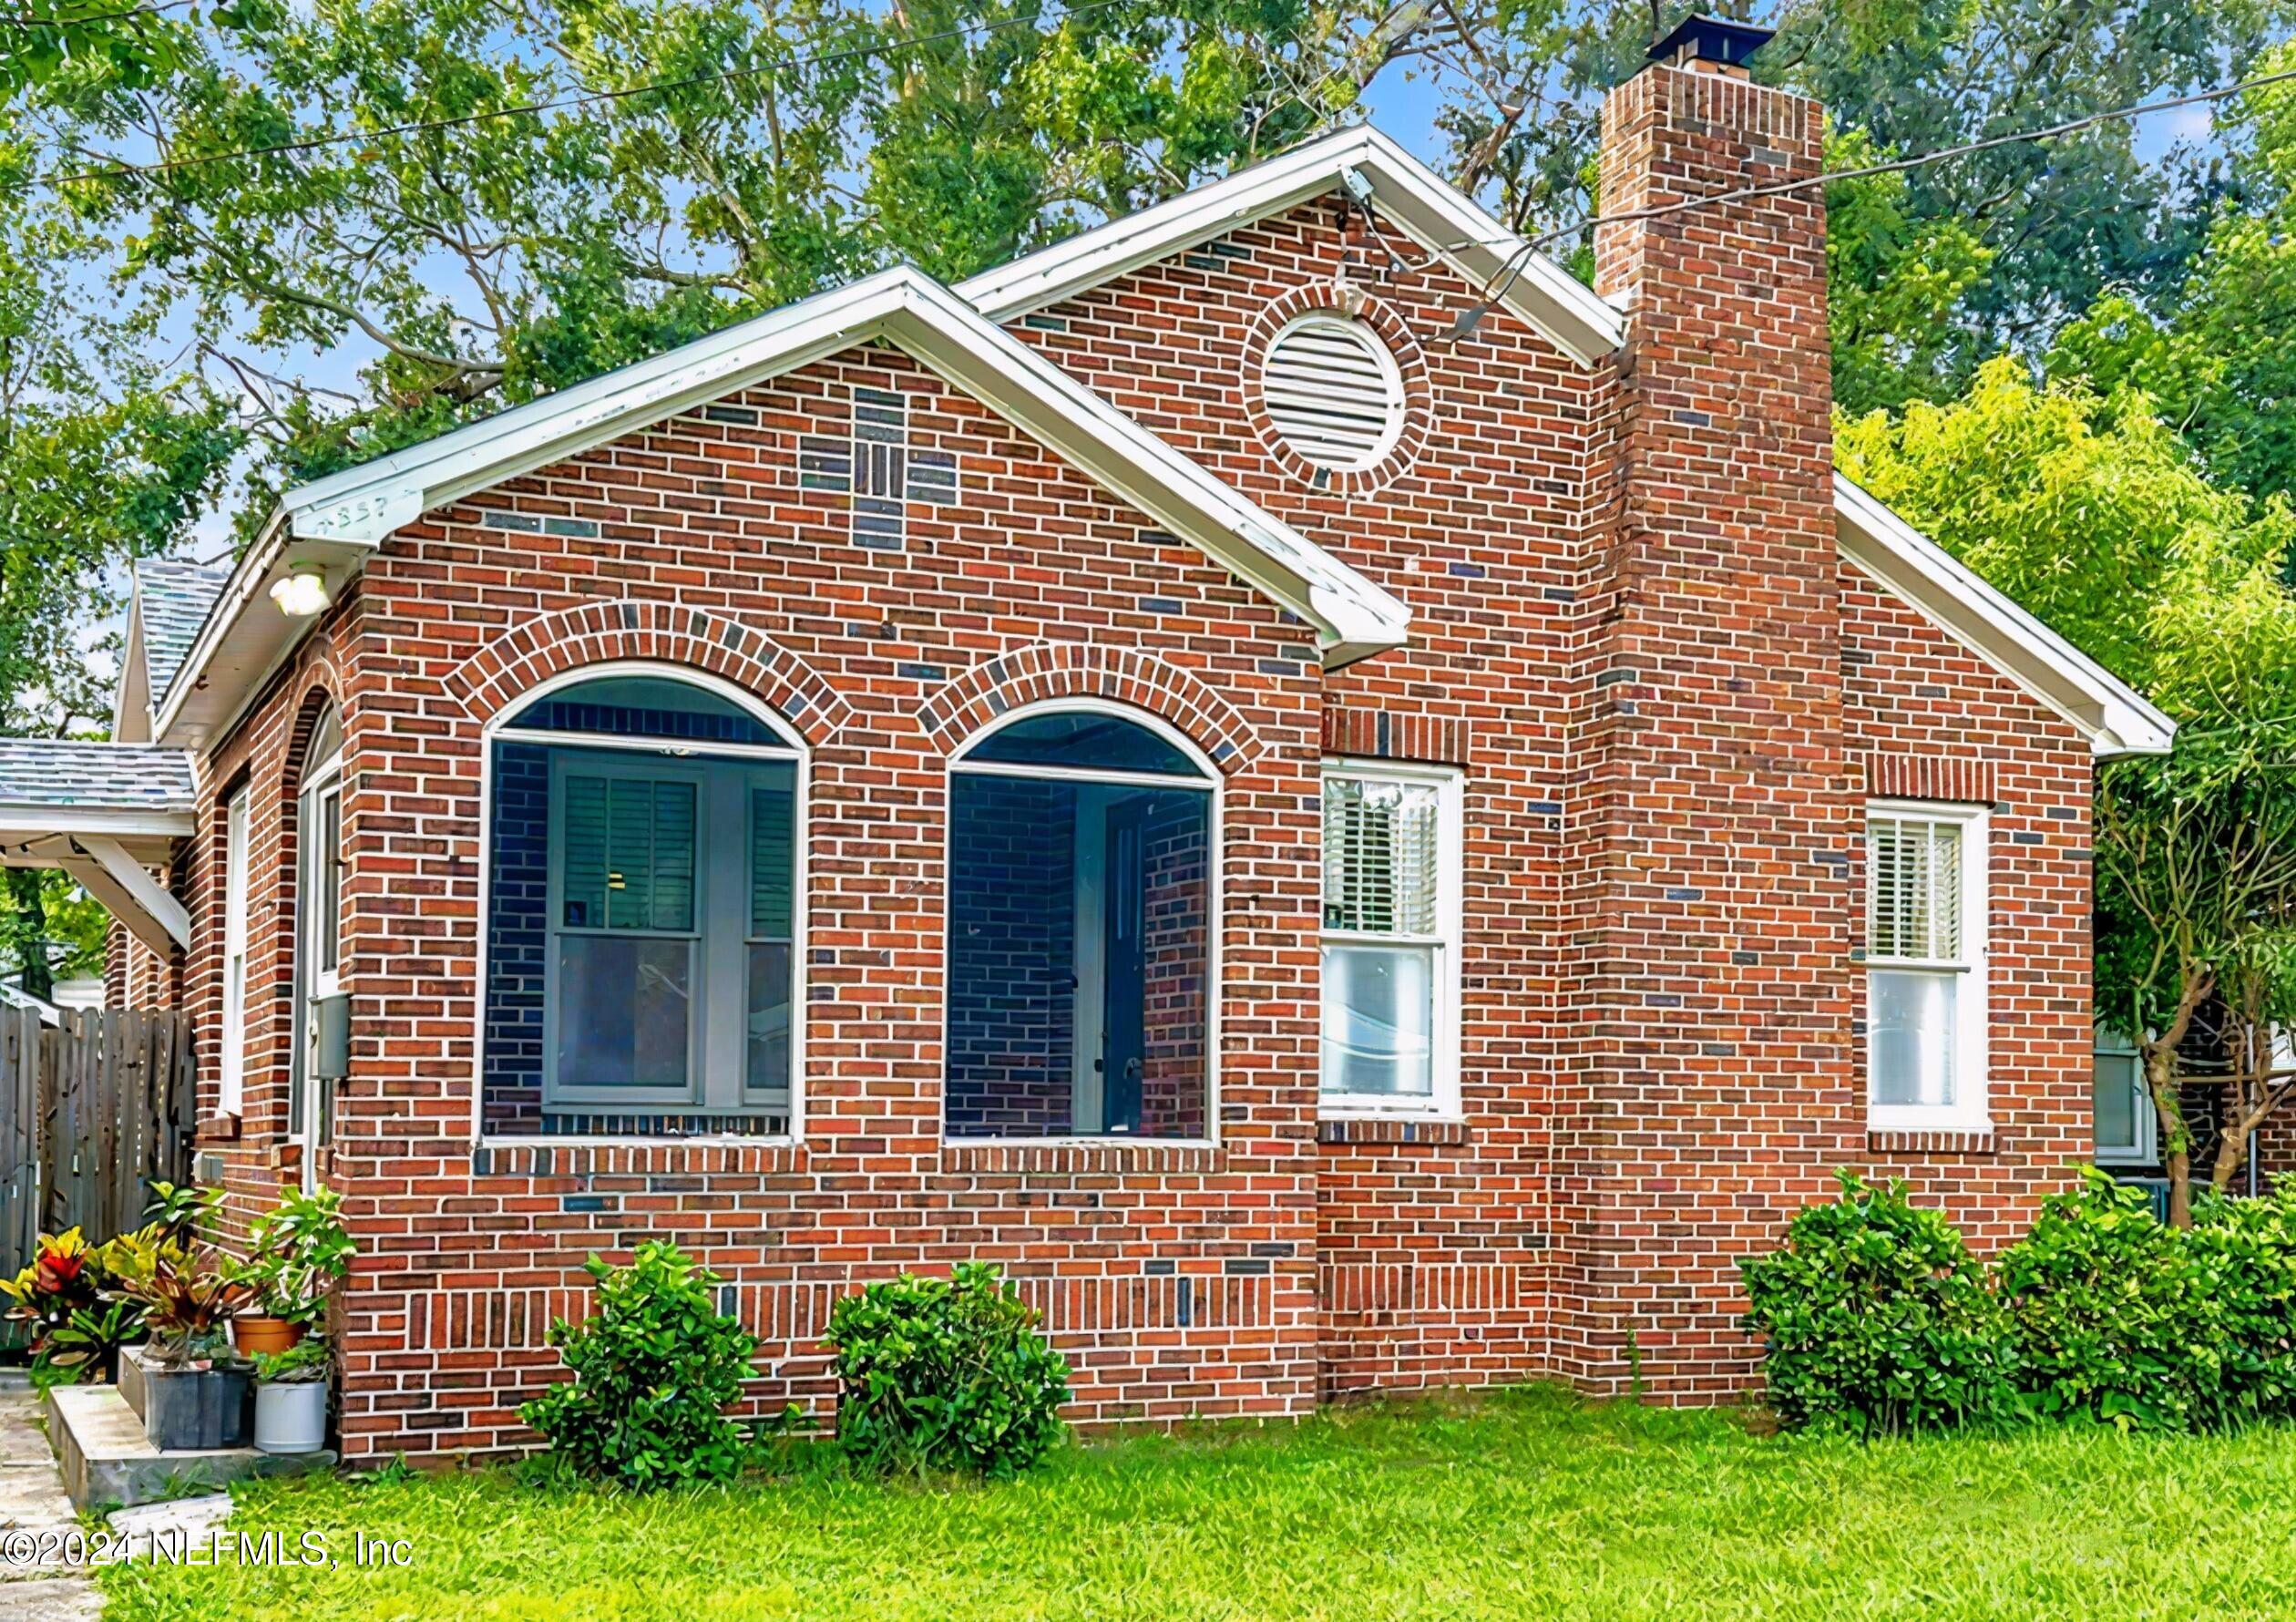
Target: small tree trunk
(2231,1151)
(2176,1137)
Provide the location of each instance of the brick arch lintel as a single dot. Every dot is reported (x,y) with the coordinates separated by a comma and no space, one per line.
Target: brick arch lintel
(1043,670)
(530,653)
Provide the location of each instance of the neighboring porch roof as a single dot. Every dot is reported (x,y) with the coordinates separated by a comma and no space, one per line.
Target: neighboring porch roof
(105,813)
(171,603)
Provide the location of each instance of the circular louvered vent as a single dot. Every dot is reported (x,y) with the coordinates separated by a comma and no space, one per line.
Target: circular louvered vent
(1334,391)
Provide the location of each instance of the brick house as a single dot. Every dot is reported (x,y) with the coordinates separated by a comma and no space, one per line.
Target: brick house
(1342,852)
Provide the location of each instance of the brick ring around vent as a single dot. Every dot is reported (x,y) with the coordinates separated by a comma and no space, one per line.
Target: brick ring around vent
(1382,321)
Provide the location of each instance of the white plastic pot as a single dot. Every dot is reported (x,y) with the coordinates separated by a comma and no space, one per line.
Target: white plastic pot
(290,1416)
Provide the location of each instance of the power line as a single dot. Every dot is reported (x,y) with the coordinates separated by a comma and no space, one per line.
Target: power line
(19,20)
(1505,277)
(560,104)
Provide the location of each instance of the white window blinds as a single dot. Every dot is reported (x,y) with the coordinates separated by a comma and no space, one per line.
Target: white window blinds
(1913,889)
(1382,855)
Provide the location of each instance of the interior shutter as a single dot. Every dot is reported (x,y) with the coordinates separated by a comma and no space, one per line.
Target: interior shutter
(772,863)
(1913,888)
(1381,857)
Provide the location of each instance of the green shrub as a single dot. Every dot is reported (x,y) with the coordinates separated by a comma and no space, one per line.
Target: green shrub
(945,1374)
(654,1370)
(1876,1319)
(2112,1313)
(2245,1253)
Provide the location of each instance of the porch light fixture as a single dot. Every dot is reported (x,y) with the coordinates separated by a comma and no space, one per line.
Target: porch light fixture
(303,593)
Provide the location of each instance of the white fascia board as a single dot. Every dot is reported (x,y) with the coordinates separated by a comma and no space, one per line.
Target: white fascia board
(1352,615)
(1436,215)
(2113,716)
(354,509)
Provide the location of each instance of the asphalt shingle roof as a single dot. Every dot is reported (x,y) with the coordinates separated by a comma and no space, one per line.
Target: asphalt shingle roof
(176,598)
(70,774)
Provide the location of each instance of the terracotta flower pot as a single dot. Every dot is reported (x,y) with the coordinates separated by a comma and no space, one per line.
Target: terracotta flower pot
(253,1333)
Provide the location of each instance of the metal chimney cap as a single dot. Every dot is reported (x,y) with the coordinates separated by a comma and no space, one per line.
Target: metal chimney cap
(1711,39)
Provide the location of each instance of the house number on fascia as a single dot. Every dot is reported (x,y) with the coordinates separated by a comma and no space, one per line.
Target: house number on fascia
(351,516)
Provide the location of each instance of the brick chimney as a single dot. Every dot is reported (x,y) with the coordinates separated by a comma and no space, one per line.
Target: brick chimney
(1715,1085)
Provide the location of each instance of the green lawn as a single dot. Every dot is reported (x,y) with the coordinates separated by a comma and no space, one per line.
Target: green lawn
(1525,1505)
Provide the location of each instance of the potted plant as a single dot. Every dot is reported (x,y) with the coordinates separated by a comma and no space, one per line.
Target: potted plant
(194,1393)
(297,1252)
(77,1327)
(290,1397)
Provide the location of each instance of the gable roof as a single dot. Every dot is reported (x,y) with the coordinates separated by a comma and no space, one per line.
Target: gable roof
(2113,716)
(172,599)
(1404,192)
(910,309)
(335,521)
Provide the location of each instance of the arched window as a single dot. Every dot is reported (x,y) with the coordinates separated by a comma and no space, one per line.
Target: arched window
(1081,845)
(644,890)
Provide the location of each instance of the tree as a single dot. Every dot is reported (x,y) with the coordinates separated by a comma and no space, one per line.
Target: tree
(102,458)
(2091,513)
(2220,361)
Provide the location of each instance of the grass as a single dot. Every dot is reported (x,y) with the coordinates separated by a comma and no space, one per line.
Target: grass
(1525,1505)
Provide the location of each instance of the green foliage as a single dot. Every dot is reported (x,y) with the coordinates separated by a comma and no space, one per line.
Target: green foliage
(2113,1318)
(305,1362)
(1894,280)
(945,1374)
(1876,1319)
(1530,1505)
(181,1213)
(188,1299)
(297,1252)
(654,1368)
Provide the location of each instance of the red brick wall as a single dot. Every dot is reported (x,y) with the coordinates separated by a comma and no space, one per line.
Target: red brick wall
(1178,1281)
(1631,631)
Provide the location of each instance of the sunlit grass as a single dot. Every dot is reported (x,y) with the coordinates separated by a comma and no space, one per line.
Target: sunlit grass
(1525,1505)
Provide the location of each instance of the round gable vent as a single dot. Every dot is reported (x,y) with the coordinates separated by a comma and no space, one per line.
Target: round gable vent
(1334,391)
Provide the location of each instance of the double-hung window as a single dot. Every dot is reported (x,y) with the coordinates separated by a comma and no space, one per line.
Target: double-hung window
(1390,939)
(1925,966)
(643,896)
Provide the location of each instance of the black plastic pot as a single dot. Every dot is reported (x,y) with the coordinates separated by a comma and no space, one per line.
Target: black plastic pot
(195,1410)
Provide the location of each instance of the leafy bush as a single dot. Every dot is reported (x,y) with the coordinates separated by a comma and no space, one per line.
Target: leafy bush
(2245,1252)
(945,1374)
(654,1370)
(297,1252)
(307,1361)
(2111,1315)
(1877,1319)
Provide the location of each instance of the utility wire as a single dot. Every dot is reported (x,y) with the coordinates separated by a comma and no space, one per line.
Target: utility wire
(560,104)
(1505,277)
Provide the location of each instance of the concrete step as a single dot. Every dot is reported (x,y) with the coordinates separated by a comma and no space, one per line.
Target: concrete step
(108,1462)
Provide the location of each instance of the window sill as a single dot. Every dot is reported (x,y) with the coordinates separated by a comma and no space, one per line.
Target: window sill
(581,1156)
(1932,1140)
(1390,1129)
(1080,1156)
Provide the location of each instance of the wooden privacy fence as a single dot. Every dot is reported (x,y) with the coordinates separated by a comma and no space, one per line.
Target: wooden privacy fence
(92,1111)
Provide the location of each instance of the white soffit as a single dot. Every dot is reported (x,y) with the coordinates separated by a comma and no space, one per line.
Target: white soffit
(354,509)
(2114,717)
(1405,193)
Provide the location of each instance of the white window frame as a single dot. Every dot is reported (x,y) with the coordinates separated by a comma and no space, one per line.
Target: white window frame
(792,750)
(319,790)
(1085,1082)
(230,1068)
(2145,1149)
(1971,1110)
(1443,1101)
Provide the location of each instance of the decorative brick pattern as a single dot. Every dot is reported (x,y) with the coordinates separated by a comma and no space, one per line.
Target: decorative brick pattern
(1348,300)
(1931,777)
(1377,733)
